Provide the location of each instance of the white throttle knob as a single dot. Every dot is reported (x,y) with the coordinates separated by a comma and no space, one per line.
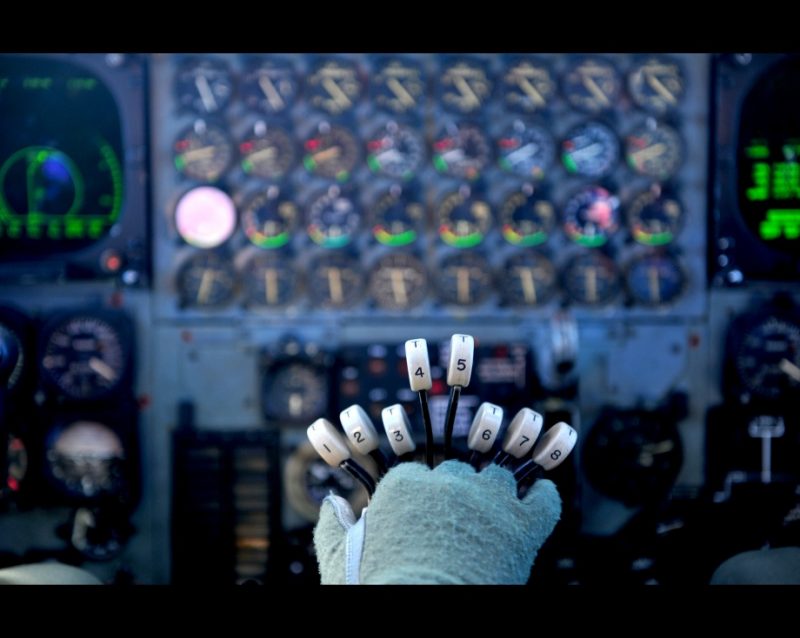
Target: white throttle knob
(555,446)
(419,366)
(361,433)
(522,433)
(462,352)
(485,426)
(398,429)
(328,443)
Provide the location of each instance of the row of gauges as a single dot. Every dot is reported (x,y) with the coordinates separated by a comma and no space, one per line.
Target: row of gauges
(206,217)
(401,281)
(83,356)
(204,151)
(464,85)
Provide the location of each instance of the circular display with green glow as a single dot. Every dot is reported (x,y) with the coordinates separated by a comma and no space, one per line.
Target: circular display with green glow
(526,217)
(464,219)
(268,152)
(591,216)
(331,152)
(332,219)
(268,219)
(61,177)
(655,218)
(396,218)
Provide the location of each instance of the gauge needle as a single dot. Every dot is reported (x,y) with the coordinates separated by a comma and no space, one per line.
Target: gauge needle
(655,289)
(651,151)
(595,90)
(790,368)
(265,153)
(295,404)
(399,287)
(528,285)
(273,97)
(329,153)
(198,153)
(462,283)
(659,88)
(400,92)
(466,90)
(206,283)
(103,369)
(591,284)
(206,94)
(530,90)
(339,96)
(651,449)
(271,285)
(335,285)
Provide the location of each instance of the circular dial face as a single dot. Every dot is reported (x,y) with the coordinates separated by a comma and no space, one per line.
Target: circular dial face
(203,152)
(463,219)
(8,333)
(205,280)
(767,359)
(269,86)
(529,279)
(335,281)
(526,217)
(592,85)
(591,216)
(591,279)
(268,152)
(86,459)
(655,151)
(396,218)
(398,282)
(269,280)
(332,152)
(332,219)
(591,150)
(84,357)
(334,86)
(398,86)
(525,150)
(205,217)
(657,84)
(656,280)
(204,86)
(396,151)
(464,279)
(295,391)
(462,150)
(528,86)
(269,218)
(464,87)
(654,217)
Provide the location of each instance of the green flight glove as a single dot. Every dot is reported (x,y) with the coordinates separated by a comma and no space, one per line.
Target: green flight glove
(449,525)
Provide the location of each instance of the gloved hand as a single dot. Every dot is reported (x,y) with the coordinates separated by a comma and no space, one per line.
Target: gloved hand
(449,525)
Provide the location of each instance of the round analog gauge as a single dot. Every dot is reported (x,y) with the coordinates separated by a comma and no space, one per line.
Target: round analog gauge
(592,85)
(591,216)
(591,150)
(269,218)
(591,279)
(398,86)
(17,463)
(270,279)
(85,357)
(526,217)
(204,86)
(654,150)
(525,150)
(205,217)
(398,282)
(529,279)
(332,152)
(205,280)
(528,86)
(655,218)
(464,87)
(656,280)
(464,279)
(463,219)
(336,281)
(657,84)
(395,151)
(269,86)
(396,219)
(8,333)
(332,219)
(309,479)
(268,152)
(461,151)
(334,86)
(203,152)
(86,460)
(295,391)
(767,359)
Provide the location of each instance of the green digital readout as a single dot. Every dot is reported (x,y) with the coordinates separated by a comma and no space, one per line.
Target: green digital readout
(61,177)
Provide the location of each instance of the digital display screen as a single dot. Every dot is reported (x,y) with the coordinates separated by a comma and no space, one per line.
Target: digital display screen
(768,157)
(61,175)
